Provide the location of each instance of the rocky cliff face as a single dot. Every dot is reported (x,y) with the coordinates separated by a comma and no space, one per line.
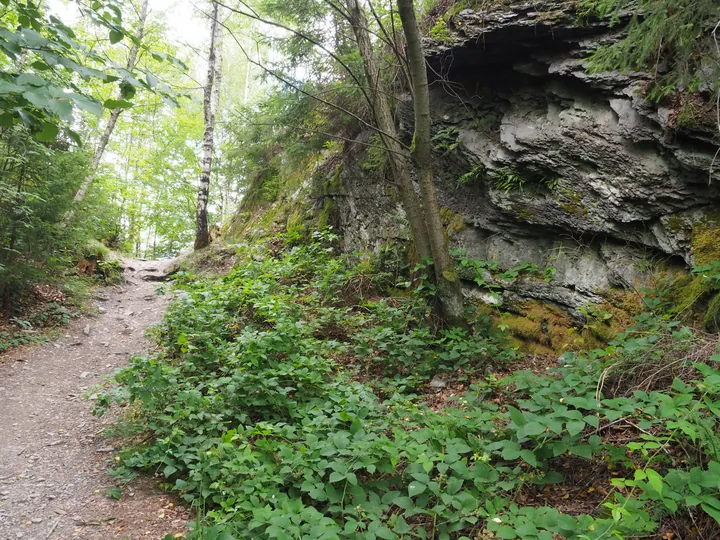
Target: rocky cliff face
(538,161)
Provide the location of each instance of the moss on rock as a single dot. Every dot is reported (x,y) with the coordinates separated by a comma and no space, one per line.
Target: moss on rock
(687,292)
(453,222)
(523,213)
(705,240)
(545,328)
(712,315)
(542,328)
(330,189)
(677,224)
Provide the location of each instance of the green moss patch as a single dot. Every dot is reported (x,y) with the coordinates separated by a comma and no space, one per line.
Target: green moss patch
(706,242)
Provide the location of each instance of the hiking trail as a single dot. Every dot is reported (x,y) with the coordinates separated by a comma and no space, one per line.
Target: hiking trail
(54,454)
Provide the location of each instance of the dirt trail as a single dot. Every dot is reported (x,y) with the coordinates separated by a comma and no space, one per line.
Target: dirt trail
(53,456)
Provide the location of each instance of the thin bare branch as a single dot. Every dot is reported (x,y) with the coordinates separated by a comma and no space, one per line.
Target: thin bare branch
(296,87)
(334,136)
(302,35)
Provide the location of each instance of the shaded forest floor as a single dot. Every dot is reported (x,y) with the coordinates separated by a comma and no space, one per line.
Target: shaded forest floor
(54,454)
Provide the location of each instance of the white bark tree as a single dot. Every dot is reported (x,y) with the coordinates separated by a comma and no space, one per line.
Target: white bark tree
(211,102)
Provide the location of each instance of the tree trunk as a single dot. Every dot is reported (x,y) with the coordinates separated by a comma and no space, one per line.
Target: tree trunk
(110,126)
(399,164)
(211,101)
(448,283)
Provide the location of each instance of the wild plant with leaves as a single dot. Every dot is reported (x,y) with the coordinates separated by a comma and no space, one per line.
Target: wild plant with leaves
(287,401)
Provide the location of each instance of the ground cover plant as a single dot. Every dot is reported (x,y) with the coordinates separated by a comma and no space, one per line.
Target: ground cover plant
(288,399)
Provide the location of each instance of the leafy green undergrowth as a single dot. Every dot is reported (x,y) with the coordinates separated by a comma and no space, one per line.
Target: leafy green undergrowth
(286,401)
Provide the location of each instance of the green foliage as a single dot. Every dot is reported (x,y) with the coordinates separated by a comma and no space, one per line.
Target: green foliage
(151,212)
(474,175)
(709,285)
(509,179)
(262,419)
(110,271)
(36,188)
(47,68)
(549,273)
(446,140)
(489,275)
(439,32)
(93,249)
(49,315)
(677,32)
(12,340)
(710,273)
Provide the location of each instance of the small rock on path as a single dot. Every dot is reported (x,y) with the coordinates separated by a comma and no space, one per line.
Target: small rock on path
(53,457)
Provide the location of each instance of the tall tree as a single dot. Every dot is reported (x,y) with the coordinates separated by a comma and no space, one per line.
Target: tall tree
(112,121)
(211,102)
(448,283)
(378,94)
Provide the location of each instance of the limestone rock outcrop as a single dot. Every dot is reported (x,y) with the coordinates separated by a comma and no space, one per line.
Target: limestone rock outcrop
(539,161)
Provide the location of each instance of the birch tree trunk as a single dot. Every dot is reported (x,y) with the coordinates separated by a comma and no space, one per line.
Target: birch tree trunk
(211,101)
(448,283)
(399,163)
(110,126)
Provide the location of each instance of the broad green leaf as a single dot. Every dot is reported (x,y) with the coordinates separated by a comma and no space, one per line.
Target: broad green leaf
(516,416)
(582,450)
(454,484)
(61,107)
(655,480)
(48,133)
(416,488)
(505,532)
(526,529)
(712,512)
(511,450)
(8,87)
(74,136)
(533,428)
(33,39)
(336,476)
(401,526)
(30,79)
(117,104)
(384,532)
(38,99)
(116,36)
(86,104)
(529,457)
(575,427)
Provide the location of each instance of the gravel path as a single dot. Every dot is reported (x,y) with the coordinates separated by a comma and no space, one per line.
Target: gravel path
(53,456)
